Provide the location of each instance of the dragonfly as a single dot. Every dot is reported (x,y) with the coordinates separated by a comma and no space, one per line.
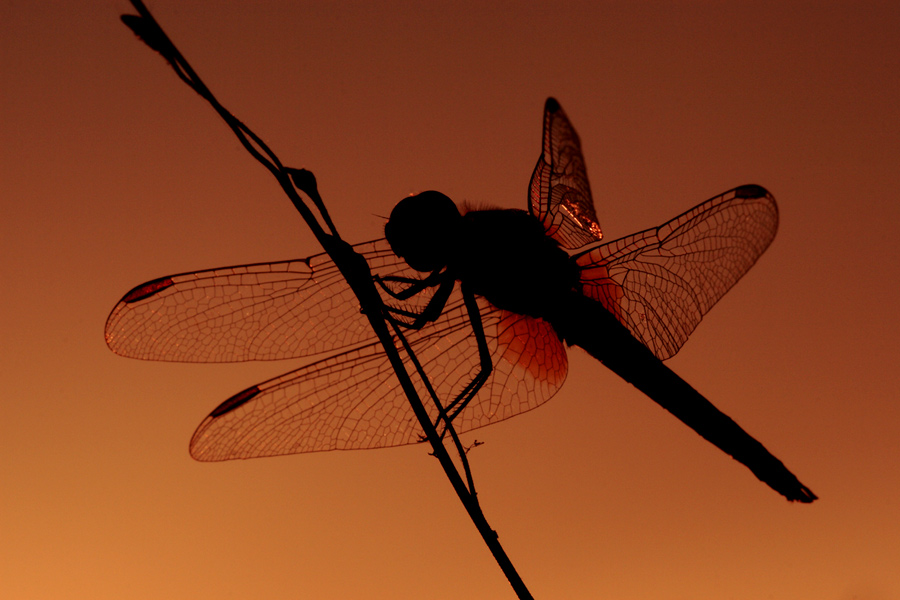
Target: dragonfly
(486,302)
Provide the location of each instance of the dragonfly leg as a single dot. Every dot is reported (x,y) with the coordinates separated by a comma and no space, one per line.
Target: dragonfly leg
(432,311)
(413,285)
(447,426)
(486,366)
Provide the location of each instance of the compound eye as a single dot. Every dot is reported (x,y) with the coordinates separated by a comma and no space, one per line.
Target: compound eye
(422,229)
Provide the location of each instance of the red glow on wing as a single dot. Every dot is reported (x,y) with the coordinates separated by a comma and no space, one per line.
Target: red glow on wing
(534,345)
(598,285)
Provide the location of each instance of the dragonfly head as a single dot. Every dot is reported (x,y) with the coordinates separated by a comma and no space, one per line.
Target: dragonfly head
(422,230)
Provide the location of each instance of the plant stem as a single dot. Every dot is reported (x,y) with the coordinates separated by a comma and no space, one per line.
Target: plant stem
(352,266)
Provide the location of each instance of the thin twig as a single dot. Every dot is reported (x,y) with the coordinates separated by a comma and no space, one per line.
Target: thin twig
(352,266)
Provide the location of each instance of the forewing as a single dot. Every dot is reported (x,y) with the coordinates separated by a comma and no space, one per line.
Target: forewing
(261,311)
(354,400)
(659,283)
(560,195)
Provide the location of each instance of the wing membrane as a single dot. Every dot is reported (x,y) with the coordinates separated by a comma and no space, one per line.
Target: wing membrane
(660,282)
(560,195)
(264,311)
(353,401)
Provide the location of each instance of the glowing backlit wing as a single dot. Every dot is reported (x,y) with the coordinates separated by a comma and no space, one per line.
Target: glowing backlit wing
(660,282)
(353,401)
(350,399)
(264,311)
(559,193)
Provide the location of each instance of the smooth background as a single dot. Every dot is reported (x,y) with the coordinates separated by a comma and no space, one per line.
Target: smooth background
(113,173)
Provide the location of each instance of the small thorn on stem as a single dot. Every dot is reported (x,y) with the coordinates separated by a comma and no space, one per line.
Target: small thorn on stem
(474,444)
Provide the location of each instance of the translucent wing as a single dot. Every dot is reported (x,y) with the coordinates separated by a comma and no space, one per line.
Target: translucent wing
(560,195)
(354,401)
(262,311)
(660,282)
(351,400)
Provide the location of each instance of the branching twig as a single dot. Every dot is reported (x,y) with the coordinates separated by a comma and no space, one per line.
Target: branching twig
(352,266)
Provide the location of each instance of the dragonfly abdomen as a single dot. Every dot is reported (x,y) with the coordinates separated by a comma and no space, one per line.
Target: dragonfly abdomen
(585,323)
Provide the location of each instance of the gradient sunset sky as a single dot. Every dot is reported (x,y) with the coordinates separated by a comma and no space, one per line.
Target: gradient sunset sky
(114,173)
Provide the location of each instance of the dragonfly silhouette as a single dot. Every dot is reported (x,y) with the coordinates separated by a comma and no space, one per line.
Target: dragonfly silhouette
(505,290)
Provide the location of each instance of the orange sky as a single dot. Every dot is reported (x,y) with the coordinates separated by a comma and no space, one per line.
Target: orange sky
(114,173)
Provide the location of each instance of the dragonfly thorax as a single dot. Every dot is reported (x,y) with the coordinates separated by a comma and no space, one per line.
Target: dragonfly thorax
(506,256)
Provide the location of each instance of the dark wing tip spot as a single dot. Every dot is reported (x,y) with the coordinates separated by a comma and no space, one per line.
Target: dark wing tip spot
(750,191)
(235,401)
(552,105)
(145,290)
